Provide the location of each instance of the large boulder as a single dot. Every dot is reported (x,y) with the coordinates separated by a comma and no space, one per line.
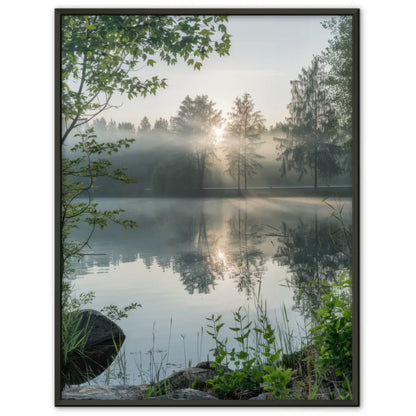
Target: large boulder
(104,341)
(102,330)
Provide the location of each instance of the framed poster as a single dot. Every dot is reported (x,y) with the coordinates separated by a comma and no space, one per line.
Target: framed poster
(207,207)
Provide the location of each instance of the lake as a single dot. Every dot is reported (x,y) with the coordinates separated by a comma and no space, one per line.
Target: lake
(190,258)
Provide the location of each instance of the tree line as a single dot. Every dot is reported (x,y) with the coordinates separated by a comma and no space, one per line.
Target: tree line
(318,132)
(313,142)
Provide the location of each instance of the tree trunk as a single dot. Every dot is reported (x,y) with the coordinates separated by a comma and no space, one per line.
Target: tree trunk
(239,165)
(245,172)
(317,257)
(316,168)
(315,144)
(245,155)
(201,170)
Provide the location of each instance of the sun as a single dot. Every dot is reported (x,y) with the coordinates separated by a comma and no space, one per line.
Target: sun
(219,135)
(221,257)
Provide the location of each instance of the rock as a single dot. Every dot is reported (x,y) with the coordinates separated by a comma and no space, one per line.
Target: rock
(104,341)
(185,394)
(103,393)
(194,377)
(262,396)
(129,393)
(102,330)
(205,365)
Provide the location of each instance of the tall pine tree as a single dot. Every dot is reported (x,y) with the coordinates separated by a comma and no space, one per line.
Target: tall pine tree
(312,142)
(195,125)
(243,138)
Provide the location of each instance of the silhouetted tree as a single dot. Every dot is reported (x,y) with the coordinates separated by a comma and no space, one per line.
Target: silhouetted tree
(243,138)
(312,140)
(100,125)
(127,127)
(196,122)
(97,62)
(338,57)
(161,124)
(145,125)
(112,126)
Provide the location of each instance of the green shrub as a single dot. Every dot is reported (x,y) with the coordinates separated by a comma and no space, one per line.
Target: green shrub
(251,367)
(333,333)
(276,380)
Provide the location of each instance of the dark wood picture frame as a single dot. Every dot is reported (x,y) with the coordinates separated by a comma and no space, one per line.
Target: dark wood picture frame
(355,206)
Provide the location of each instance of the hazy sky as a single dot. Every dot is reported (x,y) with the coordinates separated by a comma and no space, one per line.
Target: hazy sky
(266,53)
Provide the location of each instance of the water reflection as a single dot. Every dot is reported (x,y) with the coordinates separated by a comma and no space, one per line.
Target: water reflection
(201,265)
(315,252)
(207,241)
(245,259)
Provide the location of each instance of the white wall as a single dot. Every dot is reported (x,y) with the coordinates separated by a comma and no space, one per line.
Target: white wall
(387,216)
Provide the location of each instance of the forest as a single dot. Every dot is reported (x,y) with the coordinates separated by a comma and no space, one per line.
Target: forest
(200,147)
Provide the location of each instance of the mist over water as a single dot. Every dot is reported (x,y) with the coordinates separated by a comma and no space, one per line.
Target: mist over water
(155,148)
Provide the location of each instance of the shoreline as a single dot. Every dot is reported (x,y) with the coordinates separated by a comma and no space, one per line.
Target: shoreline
(253,192)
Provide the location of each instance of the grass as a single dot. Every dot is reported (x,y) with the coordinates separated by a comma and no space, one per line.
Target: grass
(256,356)
(271,359)
(152,366)
(75,333)
(264,354)
(74,338)
(250,364)
(118,369)
(261,354)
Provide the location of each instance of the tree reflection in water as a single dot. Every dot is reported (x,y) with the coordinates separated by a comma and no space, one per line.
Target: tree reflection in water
(201,266)
(246,263)
(315,252)
(206,241)
(234,254)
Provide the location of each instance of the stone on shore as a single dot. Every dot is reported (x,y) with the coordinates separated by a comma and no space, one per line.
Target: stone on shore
(262,396)
(184,394)
(103,393)
(102,330)
(183,379)
(103,343)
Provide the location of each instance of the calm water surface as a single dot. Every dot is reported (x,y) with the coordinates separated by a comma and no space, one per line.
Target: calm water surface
(191,258)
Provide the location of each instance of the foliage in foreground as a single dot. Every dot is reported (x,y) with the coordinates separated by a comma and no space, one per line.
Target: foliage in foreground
(256,367)
(253,362)
(98,56)
(333,333)
(74,337)
(79,173)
